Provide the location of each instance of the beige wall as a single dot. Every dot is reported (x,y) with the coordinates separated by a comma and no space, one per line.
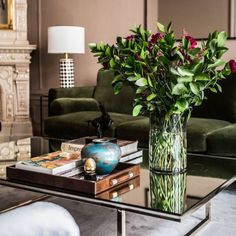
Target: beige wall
(102,19)
(197,17)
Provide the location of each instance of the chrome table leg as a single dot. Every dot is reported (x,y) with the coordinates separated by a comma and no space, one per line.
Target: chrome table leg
(121,231)
(203,222)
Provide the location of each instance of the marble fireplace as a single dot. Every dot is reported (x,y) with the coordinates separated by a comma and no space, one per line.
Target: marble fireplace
(14,75)
(15,122)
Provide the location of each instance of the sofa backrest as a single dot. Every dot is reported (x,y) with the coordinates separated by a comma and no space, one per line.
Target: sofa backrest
(220,105)
(122,102)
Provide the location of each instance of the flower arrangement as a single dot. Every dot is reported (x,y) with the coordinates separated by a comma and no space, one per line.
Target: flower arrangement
(170,76)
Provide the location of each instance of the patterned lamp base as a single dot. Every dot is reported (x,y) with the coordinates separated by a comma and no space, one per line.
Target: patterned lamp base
(67,73)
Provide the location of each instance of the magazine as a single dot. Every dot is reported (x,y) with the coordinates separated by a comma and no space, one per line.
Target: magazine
(51,163)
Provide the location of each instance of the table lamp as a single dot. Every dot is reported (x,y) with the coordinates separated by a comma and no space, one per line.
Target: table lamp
(66,39)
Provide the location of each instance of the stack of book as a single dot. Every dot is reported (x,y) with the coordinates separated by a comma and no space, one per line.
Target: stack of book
(54,163)
(67,162)
(130,152)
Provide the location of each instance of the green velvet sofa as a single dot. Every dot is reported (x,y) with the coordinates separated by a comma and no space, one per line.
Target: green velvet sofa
(211,130)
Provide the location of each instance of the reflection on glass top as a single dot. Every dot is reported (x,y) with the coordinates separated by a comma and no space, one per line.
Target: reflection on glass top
(178,193)
(174,194)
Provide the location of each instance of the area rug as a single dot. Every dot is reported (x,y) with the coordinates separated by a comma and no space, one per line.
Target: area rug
(100,221)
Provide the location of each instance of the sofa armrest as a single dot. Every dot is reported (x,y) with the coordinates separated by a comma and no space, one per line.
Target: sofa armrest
(76,92)
(62,106)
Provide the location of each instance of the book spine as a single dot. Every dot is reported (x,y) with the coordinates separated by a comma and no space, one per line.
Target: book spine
(137,160)
(129,148)
(71,147)
(131,156)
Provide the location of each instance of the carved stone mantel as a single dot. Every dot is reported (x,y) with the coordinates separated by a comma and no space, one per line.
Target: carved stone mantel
(14,85)
(15,122)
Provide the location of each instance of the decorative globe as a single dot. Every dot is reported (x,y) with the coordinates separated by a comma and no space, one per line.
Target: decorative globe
(105,154)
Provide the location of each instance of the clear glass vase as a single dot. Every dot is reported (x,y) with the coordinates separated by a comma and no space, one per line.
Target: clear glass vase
(168,192)
(167,143)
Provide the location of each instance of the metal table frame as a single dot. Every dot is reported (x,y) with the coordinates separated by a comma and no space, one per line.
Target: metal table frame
(122,208)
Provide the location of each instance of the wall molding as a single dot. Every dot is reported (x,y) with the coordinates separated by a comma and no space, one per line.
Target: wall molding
(40,43)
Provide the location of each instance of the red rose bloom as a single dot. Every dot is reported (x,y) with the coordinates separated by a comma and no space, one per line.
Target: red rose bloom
(131,37)
(232,65)
(155,37)
(192,41)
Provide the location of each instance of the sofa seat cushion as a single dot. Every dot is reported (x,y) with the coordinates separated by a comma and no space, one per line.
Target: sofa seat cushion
(222,142)
(197,131)
(135,130)
(75,125)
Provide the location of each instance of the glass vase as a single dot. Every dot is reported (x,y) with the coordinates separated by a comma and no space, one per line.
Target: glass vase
(167,143)
(168,192)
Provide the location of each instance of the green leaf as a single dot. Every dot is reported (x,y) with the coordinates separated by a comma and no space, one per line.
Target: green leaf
(180,55)
(174,71)
(151,96)
(219,88)
(141,82)
(181,105)
(140,90)
(161,27)
(117,87)
(194,88)
(213,90)
(185,79)
(195,51)
(201,77)
(137,109)
(92,45)
(142,54)
(116,79)
(217,63)
(112,63)
(221,39)
(133,78)
(213,44)
(150,82)
(179,89)
(184,72)
(169,27)
(108,51)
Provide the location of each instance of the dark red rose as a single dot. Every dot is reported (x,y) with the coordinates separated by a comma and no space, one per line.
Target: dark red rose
(149,47)
(130,37)
(232,65)
(155,37)
(105,64)
(192,41)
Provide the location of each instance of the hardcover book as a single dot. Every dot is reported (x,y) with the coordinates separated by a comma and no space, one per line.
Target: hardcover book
(131,156)
(127,146)
(51,163)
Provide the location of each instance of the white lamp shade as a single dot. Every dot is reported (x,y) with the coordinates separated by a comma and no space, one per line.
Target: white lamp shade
(66,39)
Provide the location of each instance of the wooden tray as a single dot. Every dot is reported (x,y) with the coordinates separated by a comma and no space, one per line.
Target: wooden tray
(113,193)
(122,173)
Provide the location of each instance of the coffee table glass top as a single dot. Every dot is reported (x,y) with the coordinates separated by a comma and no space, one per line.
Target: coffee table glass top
(152,193)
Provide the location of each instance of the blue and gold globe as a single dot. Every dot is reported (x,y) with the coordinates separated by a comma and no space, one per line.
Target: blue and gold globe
(105,154)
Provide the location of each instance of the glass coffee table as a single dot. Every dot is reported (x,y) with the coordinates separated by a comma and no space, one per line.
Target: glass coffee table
(171,197)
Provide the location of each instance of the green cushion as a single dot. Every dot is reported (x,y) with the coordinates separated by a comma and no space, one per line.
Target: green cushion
(222,142)
(221,106)
(122,102)
(67,105)
(197,131)
(75,125)
(135,130)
